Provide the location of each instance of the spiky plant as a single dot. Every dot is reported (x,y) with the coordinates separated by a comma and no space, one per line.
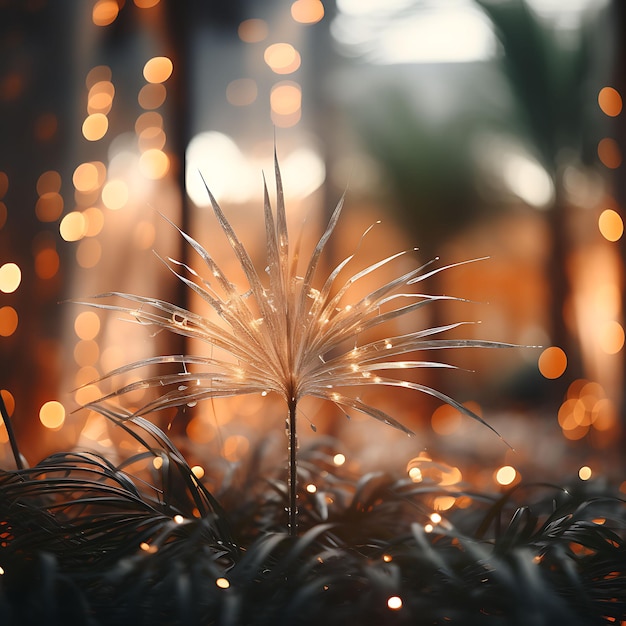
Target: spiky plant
(292,335)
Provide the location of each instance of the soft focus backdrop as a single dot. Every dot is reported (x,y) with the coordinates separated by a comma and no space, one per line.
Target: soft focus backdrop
(469,128)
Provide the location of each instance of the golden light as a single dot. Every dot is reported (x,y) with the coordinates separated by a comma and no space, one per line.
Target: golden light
(96,74)
(552,362)
(88,176)
(506,475)
(235,447)
(95,126)
(445,420)
(87,325)
(48,181)
(52,415)
(394,603)
(87,394)
(144,235)
(158,69)
(609,153)
(149,119)
(86,352)
(72,226)
(47,263)
(311,488)
(241,92)
(198,471)
(88,253)
(10,277)
(152,96)
(115,194)
(8,321)
(100,97)
(282,58)
(339,459)
(222,583)
(584,473)
(178,519)
(307,11)
(435,518)
(611,225)
(252,31)
(151,138)
(146,4)
(49,206)
(9,401)
(94,218)
(443,503)
(104,12)
(387,558)
(154,164)
(285,102)
(610,101)
(157,462)
(611,337)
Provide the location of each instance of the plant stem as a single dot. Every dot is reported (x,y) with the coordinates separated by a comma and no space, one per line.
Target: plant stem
(293,470)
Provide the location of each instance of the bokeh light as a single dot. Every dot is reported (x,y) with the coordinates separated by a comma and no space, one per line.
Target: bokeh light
(52,415)
(611,337)
(609,153)
(10,277)
(611,225)
(610,101)
(73,226)
(105,12)
(506,475)
(95,126)
(307,11)
(253,30)
(158,69)
(552,362)
(282,58)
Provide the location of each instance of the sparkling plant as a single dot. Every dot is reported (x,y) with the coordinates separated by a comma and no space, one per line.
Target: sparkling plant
(290,334)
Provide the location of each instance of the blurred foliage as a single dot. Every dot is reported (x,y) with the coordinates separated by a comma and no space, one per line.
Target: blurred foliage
(86,542)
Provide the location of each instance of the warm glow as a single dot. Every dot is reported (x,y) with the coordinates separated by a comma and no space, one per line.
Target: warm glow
(96,74)
(87,176)
(87,325)
(72,226)
(154,164)
(394,603)
(49,206)
(222,583)
(46,263)
(10,277)
(506,475)
(584,473)
(235,447)
(152,96)
(158,69)
(339,459)
(610,101)
(445,420)
(552,362)
(146,4)
(611,337)
(87,394)
(307,11)
(150,119)
(611,225)
(105,12)
(52,414)
(95,126)
(115,194)
(9,401)
(283,58)
(100,97)
(609,153)
(8,321)
(88,253)
(252,31)
(151,138)
(241,92)
(94,219)
(197,471)
(86,352)
(286,98)
(311,488)
(49,181)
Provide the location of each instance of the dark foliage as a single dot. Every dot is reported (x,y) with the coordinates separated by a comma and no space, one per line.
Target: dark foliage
(86,542)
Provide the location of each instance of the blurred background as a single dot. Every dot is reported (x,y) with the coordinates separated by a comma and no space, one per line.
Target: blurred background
(469,128)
